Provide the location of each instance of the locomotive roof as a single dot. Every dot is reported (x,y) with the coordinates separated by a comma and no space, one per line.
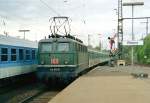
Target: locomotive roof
(7,40)
(60,40)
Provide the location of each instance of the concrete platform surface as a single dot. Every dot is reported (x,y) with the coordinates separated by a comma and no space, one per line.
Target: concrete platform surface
(105,86)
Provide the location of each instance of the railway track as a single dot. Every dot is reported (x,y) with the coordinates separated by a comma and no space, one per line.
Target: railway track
(30,98)
(11,87)
(35,93)
(11,84)
(15,95)
(40,97)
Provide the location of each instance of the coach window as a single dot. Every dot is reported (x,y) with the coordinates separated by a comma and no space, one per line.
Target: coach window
(13,55)
(77,47)
(27,54)
(81,48)
(33,54)
(63,47)
(85,49)
(4,54)
(21,54)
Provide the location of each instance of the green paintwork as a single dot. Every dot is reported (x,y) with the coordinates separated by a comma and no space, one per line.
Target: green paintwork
(78,55)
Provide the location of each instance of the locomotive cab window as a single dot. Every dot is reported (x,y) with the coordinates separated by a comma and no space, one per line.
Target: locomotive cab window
(4,54)
(63,46)
(46,47)
(13,55)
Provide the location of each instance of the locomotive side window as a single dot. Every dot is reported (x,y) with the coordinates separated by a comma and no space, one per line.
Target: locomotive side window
(46,47)
(21,54)
(63,46)
(4,54)
(13,55)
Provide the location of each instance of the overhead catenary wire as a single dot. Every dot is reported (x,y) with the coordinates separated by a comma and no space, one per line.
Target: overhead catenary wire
(53,10)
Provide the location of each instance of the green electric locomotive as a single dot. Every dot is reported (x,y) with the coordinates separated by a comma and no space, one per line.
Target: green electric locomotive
(65,58)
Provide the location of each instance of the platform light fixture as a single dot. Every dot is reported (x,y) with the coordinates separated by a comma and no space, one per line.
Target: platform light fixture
(133,2)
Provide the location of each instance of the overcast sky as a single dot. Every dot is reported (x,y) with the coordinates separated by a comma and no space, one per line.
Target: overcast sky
(88,17)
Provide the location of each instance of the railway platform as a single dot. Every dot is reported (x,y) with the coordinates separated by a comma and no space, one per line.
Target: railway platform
(108,85)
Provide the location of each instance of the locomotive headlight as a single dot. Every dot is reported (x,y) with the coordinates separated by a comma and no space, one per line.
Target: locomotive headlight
(42,62)
(66,62)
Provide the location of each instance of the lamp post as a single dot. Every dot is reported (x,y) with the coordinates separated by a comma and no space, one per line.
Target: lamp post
(120,30)
(132,4)
(89,40)
(100,43)
(146,26)
(24,31)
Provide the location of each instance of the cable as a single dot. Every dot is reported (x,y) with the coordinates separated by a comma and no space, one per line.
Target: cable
(49,7)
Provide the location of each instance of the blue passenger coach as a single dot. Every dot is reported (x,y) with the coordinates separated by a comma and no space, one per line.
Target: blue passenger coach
(17,56)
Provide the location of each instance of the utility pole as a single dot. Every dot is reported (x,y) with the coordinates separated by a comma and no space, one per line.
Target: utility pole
(147,21)
(120,29)
(132,52)
(100,43)
(24,31)
(147,26)
(3,27)
(89,40)
(132,4)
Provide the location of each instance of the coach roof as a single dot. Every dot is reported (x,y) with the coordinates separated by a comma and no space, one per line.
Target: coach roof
(7,40)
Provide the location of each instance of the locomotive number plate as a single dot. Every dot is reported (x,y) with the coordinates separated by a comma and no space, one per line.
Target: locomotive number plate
(55,69)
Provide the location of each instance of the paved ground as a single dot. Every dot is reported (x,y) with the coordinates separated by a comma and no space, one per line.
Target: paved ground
(108,85)
(122,70)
